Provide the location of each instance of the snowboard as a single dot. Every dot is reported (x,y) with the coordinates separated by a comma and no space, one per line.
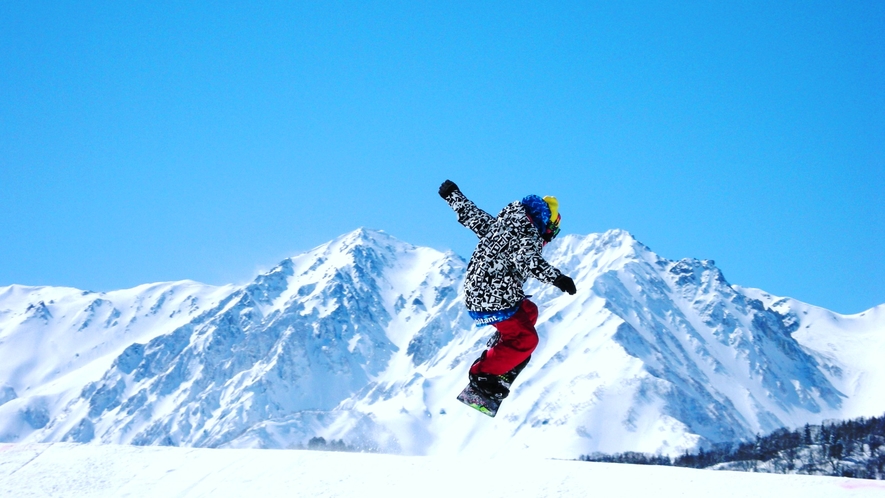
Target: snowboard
(472,398)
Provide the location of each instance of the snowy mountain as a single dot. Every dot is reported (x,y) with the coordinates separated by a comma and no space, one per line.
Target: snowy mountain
(365,339)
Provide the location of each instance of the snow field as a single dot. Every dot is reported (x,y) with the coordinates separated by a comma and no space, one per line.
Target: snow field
(63,469)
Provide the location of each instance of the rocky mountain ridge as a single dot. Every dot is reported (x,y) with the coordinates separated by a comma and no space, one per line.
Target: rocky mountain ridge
(365,339)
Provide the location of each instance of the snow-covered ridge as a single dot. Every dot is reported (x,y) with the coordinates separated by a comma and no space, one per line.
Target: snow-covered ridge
(364,338)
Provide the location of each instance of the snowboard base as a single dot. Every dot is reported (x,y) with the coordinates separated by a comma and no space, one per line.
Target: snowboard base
(478,402)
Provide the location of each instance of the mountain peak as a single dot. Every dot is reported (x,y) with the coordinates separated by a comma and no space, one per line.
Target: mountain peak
(366,237)
(617,237)
(612,247)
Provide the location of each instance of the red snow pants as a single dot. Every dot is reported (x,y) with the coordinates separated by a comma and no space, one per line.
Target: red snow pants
(518,340)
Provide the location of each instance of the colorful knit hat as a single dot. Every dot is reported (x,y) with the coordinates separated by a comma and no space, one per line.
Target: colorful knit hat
(544,213)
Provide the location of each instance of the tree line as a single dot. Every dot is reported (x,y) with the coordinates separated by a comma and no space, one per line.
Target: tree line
(854,448)
(320,444)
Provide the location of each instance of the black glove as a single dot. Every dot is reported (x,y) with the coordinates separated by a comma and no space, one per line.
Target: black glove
(565,284)
(447,188)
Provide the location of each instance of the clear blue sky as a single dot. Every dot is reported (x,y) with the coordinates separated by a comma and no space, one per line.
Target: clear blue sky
(152,141)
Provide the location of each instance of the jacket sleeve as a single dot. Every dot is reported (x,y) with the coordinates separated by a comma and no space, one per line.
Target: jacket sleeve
(528,260)
(469,215)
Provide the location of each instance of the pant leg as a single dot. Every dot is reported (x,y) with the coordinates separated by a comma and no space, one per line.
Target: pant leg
(517,342)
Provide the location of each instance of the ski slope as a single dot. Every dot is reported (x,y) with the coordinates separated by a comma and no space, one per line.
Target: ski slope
(66,469)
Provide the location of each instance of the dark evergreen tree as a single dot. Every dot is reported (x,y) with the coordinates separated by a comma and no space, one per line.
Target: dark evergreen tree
(852,448)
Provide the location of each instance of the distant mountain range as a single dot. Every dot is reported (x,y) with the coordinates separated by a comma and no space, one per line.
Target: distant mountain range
(365,339)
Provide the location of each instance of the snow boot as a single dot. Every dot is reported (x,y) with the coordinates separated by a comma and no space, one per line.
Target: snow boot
(496,387)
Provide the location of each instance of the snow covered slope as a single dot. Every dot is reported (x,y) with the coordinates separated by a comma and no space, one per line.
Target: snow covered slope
(62,469)
(849,348)
(55,340)
(365,339)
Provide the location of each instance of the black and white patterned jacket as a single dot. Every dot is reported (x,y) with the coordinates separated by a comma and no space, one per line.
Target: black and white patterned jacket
(508,252)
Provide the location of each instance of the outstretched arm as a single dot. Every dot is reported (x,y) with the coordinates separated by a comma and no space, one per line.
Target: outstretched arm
(528,261)
(469,215)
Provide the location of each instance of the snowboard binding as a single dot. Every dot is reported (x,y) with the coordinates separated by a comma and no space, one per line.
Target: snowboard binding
(485,392)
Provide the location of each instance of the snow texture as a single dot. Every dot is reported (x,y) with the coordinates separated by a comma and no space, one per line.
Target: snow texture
(64,469)
(365,339)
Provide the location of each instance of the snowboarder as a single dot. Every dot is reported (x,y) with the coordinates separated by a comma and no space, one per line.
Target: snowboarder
(508,252)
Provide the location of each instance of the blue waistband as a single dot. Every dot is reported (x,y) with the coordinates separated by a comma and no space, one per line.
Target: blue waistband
(490,317)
